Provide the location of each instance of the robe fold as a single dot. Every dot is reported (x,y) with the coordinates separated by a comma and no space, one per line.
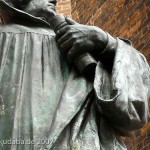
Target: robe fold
(46,105)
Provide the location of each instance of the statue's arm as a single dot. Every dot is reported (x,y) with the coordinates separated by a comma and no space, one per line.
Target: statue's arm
(122,78)
(122,95)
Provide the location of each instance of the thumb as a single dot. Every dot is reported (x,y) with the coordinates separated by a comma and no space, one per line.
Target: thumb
(70,21)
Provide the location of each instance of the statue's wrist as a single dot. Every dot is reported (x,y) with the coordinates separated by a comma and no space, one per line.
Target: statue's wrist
(99,39)
(111,46)
(107,55)
(104,43)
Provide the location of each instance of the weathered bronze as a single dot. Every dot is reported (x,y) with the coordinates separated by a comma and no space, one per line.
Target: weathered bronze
(45,104)
(85,63)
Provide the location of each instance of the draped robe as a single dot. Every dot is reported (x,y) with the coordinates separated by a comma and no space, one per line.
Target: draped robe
(44,100)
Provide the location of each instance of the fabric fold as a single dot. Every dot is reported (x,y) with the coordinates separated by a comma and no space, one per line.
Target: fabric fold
(121,95)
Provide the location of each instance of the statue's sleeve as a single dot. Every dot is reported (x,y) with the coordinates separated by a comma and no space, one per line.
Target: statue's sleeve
(122,94)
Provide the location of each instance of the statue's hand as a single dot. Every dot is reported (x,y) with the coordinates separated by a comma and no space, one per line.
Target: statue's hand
(41,8)
(76,39)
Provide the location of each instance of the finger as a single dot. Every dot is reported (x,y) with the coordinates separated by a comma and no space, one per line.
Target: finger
(69,35)
(71,55)
(61,32)
(63,38)
(76,51)
(66,46)
(70,21)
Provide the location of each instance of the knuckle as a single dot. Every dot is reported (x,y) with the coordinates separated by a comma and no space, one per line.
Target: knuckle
(73,37)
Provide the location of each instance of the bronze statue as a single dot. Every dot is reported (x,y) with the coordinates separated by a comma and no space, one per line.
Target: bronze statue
(45,103)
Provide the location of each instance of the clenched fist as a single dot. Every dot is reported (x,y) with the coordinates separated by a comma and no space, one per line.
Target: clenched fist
(76,39)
